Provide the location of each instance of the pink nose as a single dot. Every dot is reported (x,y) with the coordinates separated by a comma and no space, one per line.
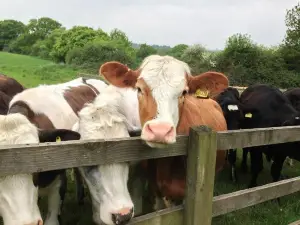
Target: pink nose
(159,132)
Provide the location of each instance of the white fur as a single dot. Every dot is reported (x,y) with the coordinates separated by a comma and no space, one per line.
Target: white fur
(233,107)
(111,115)
(166,78)
(49,100)
(18,195)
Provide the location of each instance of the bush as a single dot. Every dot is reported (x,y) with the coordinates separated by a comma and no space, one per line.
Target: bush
(92,55)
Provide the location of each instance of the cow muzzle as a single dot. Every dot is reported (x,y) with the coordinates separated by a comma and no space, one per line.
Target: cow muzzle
(161,132)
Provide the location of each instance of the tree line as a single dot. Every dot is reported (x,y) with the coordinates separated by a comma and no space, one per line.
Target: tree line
(242,60)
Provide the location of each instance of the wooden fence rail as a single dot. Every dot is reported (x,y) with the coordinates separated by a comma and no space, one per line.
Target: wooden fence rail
(200,147)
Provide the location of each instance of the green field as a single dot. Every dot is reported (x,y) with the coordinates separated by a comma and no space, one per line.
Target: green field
(31,72)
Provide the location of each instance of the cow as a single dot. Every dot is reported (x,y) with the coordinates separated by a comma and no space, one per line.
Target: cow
(56,107)
(266,106)
(113,114)
(229,100)
(9,87)
(293,94)
(19,192)
(171,100)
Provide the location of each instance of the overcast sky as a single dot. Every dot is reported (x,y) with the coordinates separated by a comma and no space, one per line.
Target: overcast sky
(169,22)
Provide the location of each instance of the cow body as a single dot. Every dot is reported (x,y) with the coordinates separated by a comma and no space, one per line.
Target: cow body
(262,106)
(51,107)
(167,106)
(229,100)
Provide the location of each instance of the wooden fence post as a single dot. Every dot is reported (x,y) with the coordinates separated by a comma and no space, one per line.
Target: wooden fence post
(201,160)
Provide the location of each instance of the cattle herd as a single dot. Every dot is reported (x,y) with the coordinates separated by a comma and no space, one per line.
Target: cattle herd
(157,101)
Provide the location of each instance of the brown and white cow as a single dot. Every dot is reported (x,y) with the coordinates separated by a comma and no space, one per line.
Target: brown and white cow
(168,106)
(51,107)
(9,87)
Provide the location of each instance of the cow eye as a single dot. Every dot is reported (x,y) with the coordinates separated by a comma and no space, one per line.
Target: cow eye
(184,92)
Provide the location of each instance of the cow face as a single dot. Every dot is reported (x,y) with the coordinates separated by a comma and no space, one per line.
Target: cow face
(18,194)
(107,183)
(162,83)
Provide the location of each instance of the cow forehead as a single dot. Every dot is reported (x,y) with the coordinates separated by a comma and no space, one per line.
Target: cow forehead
(164,72)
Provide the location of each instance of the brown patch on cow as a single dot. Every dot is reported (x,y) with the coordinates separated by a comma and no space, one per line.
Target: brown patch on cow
(10,86)
(119,74)
(78,96)
(4,103)
(147,104)
(214,82)
(170,173)
(40,120)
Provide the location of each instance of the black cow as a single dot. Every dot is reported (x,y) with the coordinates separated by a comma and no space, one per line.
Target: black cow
(266,106)
(230,104)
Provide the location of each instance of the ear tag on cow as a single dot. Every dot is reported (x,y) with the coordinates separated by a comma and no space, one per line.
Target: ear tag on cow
(58,139)
(201,93)
(233,107)
(248,115)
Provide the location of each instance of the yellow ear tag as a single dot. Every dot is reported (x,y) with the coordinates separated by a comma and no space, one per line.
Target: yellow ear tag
(201,94)
(58,139)
(248,115)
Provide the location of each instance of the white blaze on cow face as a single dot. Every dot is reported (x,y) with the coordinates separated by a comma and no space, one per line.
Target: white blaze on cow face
(18,195)
(165,77)
(104,118)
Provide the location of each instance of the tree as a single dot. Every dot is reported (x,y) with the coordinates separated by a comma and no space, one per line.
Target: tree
(290,49)
(177,50)
(77,36)
(196,56)
(42,27)
(144,51)
(10,30)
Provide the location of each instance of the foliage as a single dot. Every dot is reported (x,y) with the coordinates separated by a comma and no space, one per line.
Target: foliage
(92,55)
(144,51)
(290,49)
(177,50)
(10,30)
(42,27)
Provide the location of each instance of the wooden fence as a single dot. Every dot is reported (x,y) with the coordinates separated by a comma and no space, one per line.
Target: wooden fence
(200,146)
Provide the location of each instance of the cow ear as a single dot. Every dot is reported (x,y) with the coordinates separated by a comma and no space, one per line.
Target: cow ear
(57,135)
(118,74)
(208,84)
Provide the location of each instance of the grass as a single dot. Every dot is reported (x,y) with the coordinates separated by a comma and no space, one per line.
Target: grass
(31,71)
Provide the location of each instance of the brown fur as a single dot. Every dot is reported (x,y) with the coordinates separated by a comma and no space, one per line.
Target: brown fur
(39,120)
(167,175)
(78,96)
(10,86)
(147,104)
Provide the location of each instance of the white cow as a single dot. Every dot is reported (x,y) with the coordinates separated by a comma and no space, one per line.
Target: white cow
(111,115)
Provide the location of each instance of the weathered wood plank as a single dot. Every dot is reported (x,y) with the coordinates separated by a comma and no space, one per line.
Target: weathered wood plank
(227,203)
(201,160)
(51,156)
(172,216)
(257,137)
(295,223)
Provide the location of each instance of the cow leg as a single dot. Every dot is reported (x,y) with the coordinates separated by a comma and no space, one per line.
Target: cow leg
(231,156)
(256,165)
(79,187)
(277,166)
(244,165)
(55,198)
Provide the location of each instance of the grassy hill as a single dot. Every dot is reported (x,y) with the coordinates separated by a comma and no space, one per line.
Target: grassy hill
(31,71)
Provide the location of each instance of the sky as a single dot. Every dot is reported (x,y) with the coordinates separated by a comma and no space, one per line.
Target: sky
(164,22)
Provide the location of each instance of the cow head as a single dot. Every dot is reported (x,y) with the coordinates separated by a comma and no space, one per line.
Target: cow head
(18,194)
(162,83)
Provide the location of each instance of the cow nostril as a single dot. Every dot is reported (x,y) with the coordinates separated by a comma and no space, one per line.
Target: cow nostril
(122,219)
